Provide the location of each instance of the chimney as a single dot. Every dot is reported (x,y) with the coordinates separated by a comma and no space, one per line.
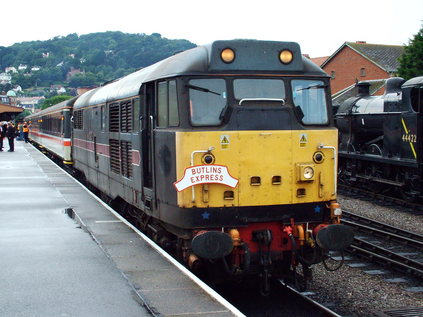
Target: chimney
(361,42)
(363,88)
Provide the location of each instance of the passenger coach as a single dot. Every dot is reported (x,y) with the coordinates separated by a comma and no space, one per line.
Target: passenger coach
(52,128)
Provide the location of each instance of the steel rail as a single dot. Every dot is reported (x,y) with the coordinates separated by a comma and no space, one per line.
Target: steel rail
(385,256)
(372,225)
(311,301)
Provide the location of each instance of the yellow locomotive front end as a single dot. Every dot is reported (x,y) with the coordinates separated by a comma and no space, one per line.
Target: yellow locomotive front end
(271,167)
(256,164)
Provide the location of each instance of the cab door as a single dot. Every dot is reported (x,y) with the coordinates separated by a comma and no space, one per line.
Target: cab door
(93,126)
(147,144)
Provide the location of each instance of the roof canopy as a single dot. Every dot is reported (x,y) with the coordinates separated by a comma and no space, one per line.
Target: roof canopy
(9,112)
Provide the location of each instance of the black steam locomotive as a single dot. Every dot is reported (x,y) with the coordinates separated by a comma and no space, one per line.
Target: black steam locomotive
(380,146)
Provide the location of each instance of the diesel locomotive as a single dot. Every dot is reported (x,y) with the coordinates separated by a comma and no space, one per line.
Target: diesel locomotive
(380,146)
(226,152)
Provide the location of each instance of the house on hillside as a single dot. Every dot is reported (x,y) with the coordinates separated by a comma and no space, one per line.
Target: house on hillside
(10,69)
(29,102)
(358,61)
(5,78)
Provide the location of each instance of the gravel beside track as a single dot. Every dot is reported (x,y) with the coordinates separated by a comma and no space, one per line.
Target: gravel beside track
(350,291)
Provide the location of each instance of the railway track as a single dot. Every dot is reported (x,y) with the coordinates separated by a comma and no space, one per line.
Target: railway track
(386,245)
(381,199)
(319,309)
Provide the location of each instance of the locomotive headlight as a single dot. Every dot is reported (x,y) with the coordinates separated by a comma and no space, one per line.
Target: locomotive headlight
(227,55)
(308,172)
(286,56)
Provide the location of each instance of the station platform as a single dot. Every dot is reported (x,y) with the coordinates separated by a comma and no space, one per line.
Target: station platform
(93,265)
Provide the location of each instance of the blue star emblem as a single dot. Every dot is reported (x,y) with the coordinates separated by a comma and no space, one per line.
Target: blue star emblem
(205,215)
(317,209)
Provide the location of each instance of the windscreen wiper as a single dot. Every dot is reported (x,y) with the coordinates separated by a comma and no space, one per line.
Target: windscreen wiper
(312,87)
(202,89)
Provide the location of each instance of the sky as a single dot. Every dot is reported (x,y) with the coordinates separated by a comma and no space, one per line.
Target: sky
(320,27)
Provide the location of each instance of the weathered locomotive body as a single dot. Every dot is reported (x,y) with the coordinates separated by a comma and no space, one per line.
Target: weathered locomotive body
(380,137)
(227,151)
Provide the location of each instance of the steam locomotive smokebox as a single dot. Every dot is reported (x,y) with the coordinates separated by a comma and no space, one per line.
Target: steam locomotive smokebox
(335,237)
(212,245)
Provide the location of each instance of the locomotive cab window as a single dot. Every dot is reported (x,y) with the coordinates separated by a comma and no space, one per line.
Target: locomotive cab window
(310,96)
(417,99)
(257,89)
(207,98)
(167,104)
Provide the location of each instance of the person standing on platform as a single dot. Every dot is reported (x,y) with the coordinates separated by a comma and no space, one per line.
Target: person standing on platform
(25,132)
(11,136)
(3,133)
(3,129)
(20,135)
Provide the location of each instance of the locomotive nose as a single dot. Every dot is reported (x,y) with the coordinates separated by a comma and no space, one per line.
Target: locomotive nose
(335,237)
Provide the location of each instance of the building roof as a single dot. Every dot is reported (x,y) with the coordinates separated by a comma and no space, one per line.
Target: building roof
(319,60)
(384,56)
(11,93)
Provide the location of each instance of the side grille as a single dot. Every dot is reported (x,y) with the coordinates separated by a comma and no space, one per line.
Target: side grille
(114,156)
(114,117)
(126,117)
(121,157)
(126,158)
(78,120)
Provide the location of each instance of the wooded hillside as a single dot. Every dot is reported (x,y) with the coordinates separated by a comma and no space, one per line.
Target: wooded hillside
(85,60)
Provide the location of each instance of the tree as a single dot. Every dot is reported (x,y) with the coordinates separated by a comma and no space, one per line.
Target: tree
(22,115)
(87,79)
(411,61)
(54,100)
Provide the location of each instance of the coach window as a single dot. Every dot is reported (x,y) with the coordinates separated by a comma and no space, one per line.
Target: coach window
(207,98)
(310,96)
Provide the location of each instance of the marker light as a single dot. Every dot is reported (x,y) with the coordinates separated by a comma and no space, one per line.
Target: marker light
(335,209)
(308,172)
(208,158)
(227,55)
(286,56)
(318,157)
